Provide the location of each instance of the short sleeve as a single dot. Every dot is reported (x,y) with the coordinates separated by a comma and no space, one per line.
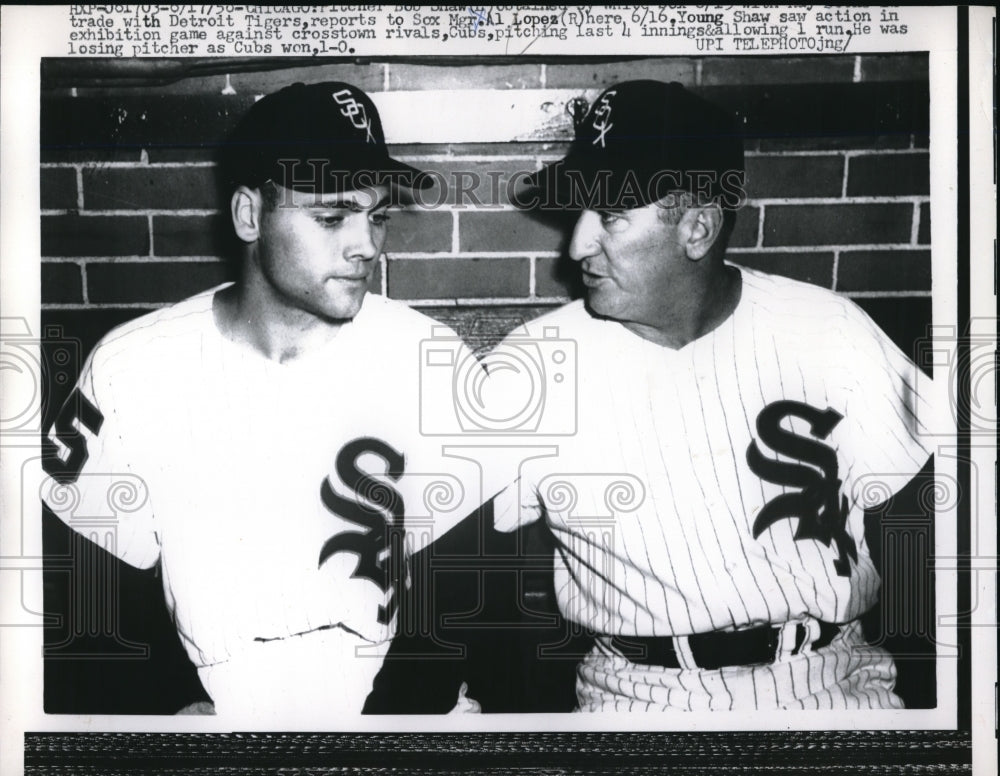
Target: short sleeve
(889,405)
(92,484)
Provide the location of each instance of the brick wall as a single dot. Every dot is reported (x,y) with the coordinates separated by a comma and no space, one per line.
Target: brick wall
(837,175)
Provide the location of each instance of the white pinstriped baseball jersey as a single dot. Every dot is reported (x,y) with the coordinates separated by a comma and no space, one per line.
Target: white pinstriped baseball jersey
(717,487)
(270,494)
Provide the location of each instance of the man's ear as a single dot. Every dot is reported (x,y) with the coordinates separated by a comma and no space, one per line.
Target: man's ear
(245,208)
(702,226)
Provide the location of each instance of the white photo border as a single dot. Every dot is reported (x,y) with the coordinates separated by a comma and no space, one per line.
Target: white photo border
(940,35)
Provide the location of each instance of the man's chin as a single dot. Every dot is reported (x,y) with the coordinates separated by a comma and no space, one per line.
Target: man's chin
(343,309)
(598,304)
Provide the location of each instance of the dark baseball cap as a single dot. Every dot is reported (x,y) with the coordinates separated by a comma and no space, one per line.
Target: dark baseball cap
(640,141)
(317,137)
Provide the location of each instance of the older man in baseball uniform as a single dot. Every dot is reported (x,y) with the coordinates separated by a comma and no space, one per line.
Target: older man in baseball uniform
(267,431)
(707,522)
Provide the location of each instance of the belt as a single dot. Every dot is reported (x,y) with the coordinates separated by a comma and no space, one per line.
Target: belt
(717,649)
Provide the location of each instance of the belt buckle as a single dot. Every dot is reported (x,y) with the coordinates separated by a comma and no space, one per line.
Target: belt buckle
(825,633)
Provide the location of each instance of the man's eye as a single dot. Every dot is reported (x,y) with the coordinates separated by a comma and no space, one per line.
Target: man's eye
(610,218)
(379,218)
(330,220)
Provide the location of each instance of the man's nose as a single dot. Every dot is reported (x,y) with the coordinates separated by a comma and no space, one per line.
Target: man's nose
(584,242)
(363,244)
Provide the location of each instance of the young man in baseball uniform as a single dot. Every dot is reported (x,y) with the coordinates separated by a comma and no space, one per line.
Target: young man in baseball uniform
(705,508)
(267,431)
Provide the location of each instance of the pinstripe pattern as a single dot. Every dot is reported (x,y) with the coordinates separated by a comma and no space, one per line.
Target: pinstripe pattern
(233,449)
(682,421)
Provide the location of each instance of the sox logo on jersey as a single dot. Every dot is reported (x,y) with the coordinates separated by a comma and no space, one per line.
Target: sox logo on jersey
(377,510)
(815,504)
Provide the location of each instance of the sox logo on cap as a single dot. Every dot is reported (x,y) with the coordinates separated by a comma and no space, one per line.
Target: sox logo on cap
(602,114)
(355,111)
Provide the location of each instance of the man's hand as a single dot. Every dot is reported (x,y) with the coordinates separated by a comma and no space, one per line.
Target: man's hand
(465,704)
(198,707)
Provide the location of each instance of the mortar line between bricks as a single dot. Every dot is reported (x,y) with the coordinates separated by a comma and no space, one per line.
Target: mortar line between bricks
(106,306)
(856,75)
(463,208)
(79,186)
(143,258)
(137,212)
(887,294)
(531,275)
(497,301)
(845,169)
(811,248)
(759,242)
(880,200)
(84,291)
(497,208)
(542,75)
(851,152)
(836,269)
(796,154)
(394,255)
(149,227)
(383,264)
(915,224)
(454,232)
(122,165)
(520,300)
(470,158)
(151,259)
(893,152)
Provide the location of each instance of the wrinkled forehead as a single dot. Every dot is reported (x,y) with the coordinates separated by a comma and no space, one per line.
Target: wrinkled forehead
(362,198)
